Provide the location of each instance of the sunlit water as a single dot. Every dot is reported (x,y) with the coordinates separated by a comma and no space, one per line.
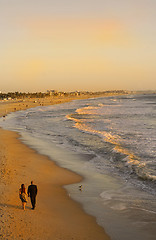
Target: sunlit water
(111,142)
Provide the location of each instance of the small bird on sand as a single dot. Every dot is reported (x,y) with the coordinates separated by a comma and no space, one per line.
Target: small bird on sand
(80,187)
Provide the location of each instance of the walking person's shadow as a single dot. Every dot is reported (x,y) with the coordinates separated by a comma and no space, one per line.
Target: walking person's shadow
(4,205)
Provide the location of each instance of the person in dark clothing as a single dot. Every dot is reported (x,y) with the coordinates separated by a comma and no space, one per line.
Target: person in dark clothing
(32,192)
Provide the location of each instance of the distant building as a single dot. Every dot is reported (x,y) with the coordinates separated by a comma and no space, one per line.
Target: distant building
(52,92)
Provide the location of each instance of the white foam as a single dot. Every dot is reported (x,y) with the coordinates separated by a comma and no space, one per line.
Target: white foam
(119,206)
(106,196)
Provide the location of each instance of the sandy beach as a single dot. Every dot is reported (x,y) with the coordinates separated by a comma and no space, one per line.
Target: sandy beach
(56,216)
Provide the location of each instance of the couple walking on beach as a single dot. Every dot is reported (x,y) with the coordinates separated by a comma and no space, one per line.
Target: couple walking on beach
(32,192)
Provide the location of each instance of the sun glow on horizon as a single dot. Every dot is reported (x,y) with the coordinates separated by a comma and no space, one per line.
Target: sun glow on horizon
(76,52)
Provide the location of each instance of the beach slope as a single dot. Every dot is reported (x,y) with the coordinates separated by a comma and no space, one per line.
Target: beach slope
(56,215)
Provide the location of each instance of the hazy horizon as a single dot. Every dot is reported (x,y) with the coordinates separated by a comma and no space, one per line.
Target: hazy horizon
(84,45)
(72,91)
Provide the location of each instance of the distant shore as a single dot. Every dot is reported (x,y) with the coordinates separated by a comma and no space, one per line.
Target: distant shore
(56,215)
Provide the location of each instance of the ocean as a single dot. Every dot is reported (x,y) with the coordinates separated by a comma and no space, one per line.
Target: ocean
(111,142)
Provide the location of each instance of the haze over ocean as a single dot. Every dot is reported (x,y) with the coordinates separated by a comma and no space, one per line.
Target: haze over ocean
(77,45)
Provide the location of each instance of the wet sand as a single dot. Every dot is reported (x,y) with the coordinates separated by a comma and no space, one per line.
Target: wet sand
(56,215)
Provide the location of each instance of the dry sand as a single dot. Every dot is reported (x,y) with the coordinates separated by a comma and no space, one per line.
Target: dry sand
(56,217)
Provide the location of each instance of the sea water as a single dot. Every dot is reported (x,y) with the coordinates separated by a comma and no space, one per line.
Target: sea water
(111,142)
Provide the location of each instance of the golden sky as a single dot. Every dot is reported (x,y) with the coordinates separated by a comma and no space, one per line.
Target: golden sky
(83,45)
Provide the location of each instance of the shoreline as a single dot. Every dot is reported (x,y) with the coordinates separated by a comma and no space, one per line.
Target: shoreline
(56,216)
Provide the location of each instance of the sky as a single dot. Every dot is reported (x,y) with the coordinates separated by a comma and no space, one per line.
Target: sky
(70,45)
